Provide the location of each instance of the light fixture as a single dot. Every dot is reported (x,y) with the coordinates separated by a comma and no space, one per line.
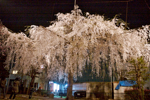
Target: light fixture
(15,72)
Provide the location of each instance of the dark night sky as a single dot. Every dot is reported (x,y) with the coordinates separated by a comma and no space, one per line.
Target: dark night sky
(16,14)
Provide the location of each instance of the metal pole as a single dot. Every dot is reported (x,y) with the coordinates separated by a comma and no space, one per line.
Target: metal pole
(112,85)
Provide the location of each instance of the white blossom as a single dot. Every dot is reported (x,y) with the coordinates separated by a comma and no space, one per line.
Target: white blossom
(73,40)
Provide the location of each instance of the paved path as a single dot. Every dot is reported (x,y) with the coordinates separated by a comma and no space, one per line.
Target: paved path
(25,97)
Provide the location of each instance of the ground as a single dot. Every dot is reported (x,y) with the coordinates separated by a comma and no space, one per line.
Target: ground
(25,97)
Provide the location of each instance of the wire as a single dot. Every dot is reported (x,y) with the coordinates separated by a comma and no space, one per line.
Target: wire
(147,4)
(108,1)
(102,2)
(75,2)
(126,12)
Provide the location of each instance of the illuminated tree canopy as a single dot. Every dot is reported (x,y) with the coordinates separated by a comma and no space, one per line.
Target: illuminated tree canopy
(72,40)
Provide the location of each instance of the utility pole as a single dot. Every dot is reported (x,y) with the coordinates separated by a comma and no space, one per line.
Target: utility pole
(75,6)
(74,2)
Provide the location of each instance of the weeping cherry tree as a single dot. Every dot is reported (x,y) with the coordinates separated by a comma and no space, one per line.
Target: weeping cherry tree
(74,40)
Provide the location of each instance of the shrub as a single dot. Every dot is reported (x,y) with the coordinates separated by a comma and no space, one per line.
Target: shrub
(134,95)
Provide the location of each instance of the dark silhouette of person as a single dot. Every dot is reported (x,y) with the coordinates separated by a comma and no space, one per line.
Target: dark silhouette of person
(2,86)
(31,91)
(15,88)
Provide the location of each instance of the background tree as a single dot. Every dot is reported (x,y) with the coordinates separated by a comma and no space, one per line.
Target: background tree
(3,37)
(139,71)
(21,55)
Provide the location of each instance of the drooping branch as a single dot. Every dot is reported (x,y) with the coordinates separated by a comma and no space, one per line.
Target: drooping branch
(74,39)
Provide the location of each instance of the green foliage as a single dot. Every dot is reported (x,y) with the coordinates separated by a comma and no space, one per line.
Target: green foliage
(139,70)
(91,76)
(27,30)
(119,21)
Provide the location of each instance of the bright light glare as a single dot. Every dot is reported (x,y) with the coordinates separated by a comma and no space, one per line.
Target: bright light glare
(50,82)
(56,87)
(66,85)
(42,66)
(15,72)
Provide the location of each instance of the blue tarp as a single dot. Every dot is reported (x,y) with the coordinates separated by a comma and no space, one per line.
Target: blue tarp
(125,83)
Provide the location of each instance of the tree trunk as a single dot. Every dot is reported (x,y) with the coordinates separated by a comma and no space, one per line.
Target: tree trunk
(69,89)
(33,75)
(140,89)
(141,93)
(32,81)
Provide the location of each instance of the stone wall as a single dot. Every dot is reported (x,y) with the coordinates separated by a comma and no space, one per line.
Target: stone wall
(120,94)
(101,90)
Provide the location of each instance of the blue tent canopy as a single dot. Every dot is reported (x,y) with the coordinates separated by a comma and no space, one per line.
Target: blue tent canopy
(125,83)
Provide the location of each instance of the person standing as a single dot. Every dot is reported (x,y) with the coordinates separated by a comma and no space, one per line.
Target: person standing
(2,86)
(31,91)
(15,88)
